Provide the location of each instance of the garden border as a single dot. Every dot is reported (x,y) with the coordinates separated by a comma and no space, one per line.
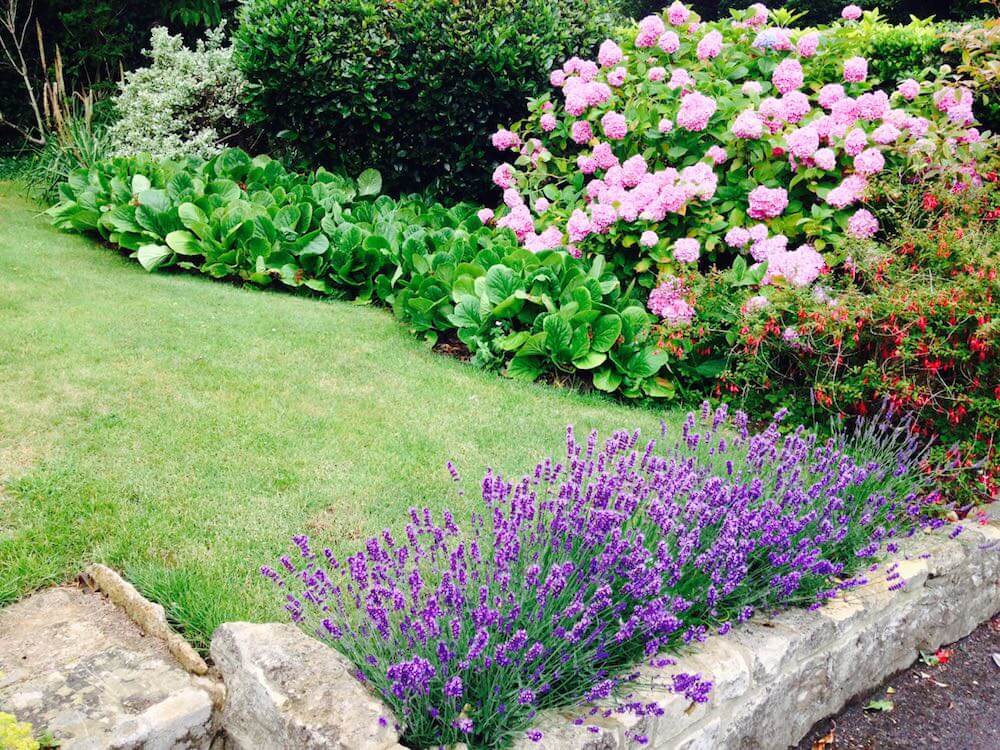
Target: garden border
(774,677)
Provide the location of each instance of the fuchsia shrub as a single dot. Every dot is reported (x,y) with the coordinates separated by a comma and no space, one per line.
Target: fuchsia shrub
(687,142)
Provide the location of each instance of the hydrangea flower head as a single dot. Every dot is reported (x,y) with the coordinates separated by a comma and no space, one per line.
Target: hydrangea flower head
(686,250)
(851,13)
(695,112)
(855,69)
(610,54)
(650,30)
(678,13)
(788,75)
(614,125)
(767,203)
(909,89)
(869,162)
(862,224)
(710,46)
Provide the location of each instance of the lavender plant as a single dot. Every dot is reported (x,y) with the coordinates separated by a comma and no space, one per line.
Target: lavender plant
(576,573)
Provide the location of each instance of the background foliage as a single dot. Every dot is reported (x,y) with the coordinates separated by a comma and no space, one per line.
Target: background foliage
(412,88)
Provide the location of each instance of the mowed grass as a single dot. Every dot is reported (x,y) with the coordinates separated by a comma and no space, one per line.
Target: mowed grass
(181,430)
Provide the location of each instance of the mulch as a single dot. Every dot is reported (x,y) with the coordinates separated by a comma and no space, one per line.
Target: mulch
(949,701)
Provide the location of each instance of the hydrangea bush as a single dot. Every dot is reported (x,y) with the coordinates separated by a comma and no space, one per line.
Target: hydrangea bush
(686,142)
(571,576)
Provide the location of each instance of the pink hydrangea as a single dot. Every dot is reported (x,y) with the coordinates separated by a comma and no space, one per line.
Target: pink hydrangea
(710,46)
(604,156)
(616,77)
(825,158)
(855,142)
(485,215)
(851,13)
(830,94)
(851,190)
(512,198)
(758,232)
(737,237)
(557,78)
(873,105)
(542,205)
(748,125)
(769,247)
(795,106)
(755,304)
(803,142)
(581,132)
(788,75)
(909,89)
(808,44)
(855,69)
(695,111)
(614,125)
(686,250)
(870,161)
(679,78)
(650,29)
(602,216)
(578,227)
(586,164)
(799,267)
(678,14)
(503,176)
(550,239)
(633,170)
(548,122)
(519,221)
(657,73)
(668,302)
(669,42)
(699,180)
(648,238)
(767,203)
(759,17)
(862,224)
(665,125)
(885,134)
(717,154)
(505,140)
(609,54)
(752,88)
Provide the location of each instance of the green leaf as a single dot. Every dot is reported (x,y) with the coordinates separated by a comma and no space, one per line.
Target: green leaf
(711,368)
(369,182)
(558,333)
(607,379)
(315,243)
(524,368)
(183,242)
(883,706)
(606,331)
(153,256)
(501,283)
(590,360)
(140,184)
(466,313)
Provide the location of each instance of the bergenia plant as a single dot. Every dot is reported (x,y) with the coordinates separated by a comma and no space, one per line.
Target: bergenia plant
(568,578)
(687,141)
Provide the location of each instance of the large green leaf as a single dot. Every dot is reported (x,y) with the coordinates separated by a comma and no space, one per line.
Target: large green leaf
(501,283)
(369,182)
(315,243)
(153,256)
(183,242)
(558,333)
(606,330)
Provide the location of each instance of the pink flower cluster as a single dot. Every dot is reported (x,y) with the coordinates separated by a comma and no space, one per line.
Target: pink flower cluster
(669,302)
(799,267)
(695,112)
(767,203)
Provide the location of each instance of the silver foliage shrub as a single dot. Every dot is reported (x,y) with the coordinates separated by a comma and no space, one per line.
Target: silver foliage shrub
(187,102)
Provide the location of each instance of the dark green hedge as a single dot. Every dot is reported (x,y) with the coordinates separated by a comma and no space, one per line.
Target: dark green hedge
(413,87)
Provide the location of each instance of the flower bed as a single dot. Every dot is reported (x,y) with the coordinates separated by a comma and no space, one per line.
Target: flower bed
(571,576)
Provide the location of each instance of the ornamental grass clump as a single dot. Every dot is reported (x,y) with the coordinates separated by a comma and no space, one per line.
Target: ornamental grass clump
(570,577)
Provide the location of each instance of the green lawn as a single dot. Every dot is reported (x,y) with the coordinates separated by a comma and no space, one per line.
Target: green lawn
(181,430)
